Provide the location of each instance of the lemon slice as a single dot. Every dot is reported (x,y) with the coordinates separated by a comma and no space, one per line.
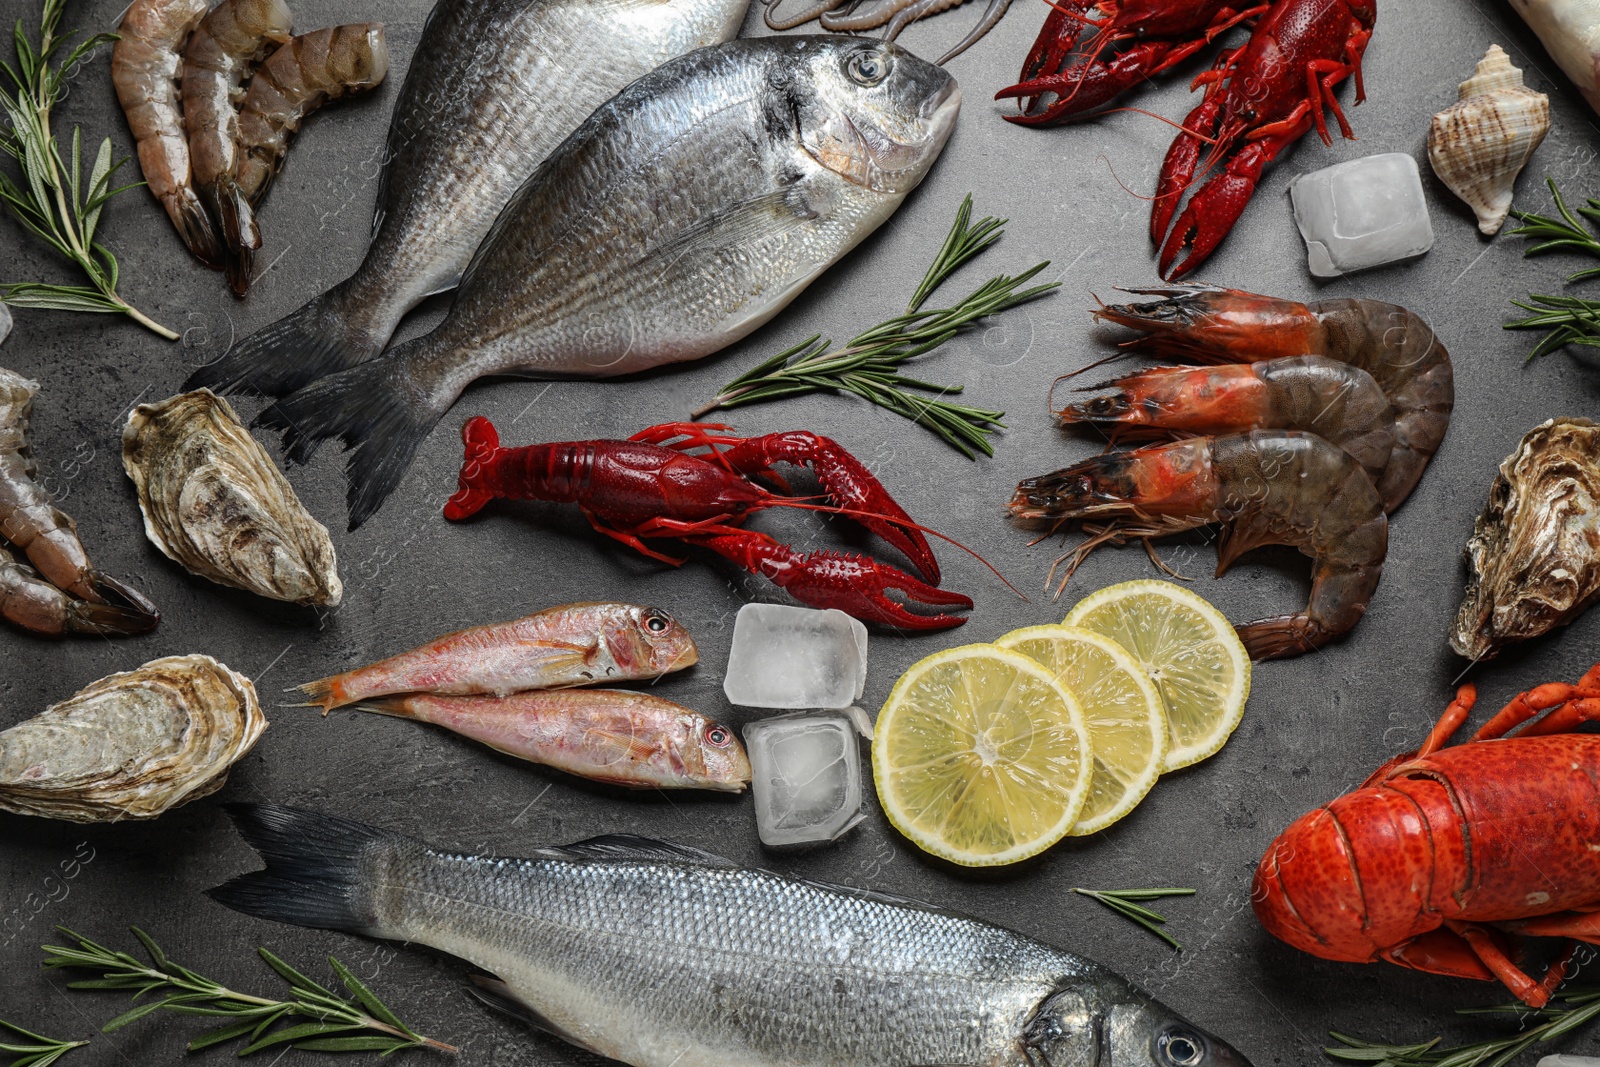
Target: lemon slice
(1122,709)
(1189,650)
(980,757)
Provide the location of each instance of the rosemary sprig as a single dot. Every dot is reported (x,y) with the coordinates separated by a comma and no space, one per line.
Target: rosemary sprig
(867,365)
(364,1024)
(51,200)
(1570,320)
(47,1050)
(1121,901)
(1565,232)
(1572,1008)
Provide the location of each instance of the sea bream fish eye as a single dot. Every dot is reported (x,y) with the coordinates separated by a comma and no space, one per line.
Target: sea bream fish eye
(869,67)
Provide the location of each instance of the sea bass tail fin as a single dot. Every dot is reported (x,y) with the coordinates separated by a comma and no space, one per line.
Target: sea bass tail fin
(331,332)
(481,441)
(370,409)
(319,868)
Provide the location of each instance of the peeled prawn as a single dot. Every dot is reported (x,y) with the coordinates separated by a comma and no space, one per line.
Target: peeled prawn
(1267,487)
(298,78)
(145,66)
(1389,342)
(32,524)
(1337,402)
(227,43)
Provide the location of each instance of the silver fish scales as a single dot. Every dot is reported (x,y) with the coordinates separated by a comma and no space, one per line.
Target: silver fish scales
(663,956)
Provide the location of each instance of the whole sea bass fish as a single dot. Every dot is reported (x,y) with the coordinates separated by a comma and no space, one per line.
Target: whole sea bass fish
(682,215)
(570,645)
(493,87)
(607,735)
(663,956)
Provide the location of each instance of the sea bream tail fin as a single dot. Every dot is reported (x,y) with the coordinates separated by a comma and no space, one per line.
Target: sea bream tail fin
(481,441)
(320,869)
(373,411)
(330,332)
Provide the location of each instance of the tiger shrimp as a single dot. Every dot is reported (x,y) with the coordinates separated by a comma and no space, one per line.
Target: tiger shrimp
(1265,487)
(227,43)
(145,65)
(298,78)
(1340,403)
(1215,325)
(33,525)
(28,601)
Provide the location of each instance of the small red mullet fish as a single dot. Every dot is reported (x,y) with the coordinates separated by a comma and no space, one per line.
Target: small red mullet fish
(575,644)
(606,735)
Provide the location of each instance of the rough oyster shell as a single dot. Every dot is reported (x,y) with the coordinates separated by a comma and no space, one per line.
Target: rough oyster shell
(132,745)
(214,501)
(1480,144)
(1534,555)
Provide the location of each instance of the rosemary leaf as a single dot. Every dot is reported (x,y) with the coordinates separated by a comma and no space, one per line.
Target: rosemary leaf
(331,1022)
(1121,901)
(1569,1009)
(33,1050)
(51,200)
(866,366)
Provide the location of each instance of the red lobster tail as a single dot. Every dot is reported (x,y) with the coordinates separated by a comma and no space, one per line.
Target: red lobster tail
(482,441)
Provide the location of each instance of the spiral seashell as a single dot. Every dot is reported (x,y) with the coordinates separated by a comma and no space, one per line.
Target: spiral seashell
(214,501)
(1479,144)
(133,745)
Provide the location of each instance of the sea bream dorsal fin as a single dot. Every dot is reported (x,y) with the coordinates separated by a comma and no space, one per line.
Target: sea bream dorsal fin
(633,847)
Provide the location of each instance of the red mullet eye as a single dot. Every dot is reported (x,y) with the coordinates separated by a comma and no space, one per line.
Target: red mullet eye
(717,737)
(657,624)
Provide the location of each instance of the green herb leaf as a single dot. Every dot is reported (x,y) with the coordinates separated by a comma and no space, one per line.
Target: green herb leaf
(50,200)
(1567,1011)
(867,366)
(34,1050)
(332,1023)
(1121,901)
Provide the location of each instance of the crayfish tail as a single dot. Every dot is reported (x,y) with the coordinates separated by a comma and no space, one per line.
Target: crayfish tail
(481,441)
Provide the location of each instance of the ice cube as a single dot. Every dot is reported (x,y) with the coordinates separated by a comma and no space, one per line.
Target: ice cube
(5,323)
(787,657)
(805,776)
(1568,1060)
(1362,213)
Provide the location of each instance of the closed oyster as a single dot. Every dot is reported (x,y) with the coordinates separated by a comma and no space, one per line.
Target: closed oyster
(1479,144)
(1534,555)
(214,501)
(133,745)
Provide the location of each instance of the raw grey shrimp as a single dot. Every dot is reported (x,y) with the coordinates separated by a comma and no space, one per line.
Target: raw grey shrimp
(1336,401)
(1267,487)
(28,601)
(227,43)
(145,66)
(298,78)
(32,524)
(1389,342)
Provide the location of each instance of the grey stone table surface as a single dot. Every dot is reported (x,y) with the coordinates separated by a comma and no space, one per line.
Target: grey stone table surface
(1315,725)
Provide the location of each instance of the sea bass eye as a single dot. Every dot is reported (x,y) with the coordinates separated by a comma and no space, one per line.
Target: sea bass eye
(1180,1048)
(657,623)
(868,68)
(718,736)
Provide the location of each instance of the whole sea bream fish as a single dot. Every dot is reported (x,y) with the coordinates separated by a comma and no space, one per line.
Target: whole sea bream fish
(614,736)
(663,956)
(493,87)
(686,212)
(570,645)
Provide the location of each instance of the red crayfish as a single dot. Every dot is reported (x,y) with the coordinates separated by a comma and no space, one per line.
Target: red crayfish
(650,486)
(1259,98)
(1164,33)
(1446,856)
